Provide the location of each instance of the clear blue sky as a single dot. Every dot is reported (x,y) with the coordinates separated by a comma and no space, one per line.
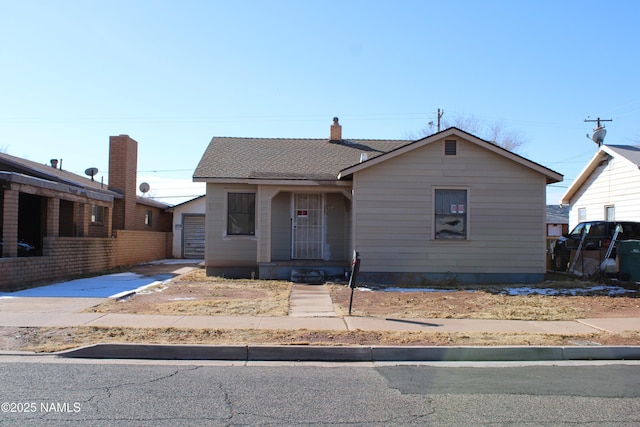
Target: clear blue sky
(173,74)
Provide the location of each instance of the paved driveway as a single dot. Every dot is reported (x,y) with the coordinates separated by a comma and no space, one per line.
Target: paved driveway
(111,284)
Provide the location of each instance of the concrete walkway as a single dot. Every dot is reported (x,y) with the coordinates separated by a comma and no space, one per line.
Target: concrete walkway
(310,301)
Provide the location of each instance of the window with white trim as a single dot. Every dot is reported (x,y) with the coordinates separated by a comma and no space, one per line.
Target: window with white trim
(450,213)
(609,213)
(241,214)
(582,214)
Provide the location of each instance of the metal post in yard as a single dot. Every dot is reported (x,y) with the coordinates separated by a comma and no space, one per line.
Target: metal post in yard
(353,278)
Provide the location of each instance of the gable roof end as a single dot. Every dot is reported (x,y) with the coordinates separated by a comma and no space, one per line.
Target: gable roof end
(628,153)
(551,175)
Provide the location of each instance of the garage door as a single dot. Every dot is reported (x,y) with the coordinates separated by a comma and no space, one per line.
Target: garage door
(193,236)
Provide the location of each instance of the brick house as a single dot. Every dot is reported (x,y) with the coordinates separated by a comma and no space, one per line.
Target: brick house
(76,224)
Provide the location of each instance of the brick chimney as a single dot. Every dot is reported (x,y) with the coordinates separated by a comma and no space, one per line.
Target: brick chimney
(336,131)
(123,168)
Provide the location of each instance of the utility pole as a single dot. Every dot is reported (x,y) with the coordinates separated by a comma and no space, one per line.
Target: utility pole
(598,120)
(440,113)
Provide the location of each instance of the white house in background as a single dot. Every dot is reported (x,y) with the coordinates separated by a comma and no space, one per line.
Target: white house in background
(608,188)
(188,228)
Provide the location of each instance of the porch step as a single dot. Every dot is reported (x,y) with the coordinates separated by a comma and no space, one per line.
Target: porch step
(309,276)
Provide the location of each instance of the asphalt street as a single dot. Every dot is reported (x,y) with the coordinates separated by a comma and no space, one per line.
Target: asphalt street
(37,391)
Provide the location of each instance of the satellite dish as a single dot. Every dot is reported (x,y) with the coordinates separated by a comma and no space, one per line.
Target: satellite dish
(144,187)
(599,132)
(91,172)
(598,135)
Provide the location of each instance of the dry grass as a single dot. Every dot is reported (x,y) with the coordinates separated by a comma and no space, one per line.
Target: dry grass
(480,305)
(58,339)
(196,294)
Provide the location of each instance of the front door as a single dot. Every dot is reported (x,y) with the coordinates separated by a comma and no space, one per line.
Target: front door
(308,226)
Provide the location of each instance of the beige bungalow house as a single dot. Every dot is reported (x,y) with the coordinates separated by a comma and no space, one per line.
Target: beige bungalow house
(448,207)
(608,188)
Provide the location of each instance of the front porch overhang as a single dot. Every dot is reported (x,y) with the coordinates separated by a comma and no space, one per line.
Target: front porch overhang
(264,199)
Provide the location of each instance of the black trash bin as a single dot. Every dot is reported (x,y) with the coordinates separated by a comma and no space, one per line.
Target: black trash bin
(629,260)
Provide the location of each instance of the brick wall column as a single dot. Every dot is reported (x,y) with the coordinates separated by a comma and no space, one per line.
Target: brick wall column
(82,220)
(123,165)
(108,221)
(53,217)
(10,223)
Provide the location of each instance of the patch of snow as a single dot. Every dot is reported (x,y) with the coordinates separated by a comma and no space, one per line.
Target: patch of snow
(592,290)
(521,290)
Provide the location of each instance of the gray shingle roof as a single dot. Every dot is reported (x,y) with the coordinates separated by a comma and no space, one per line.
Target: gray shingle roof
(279,158)
(630,152)
(557,214)
(28,167)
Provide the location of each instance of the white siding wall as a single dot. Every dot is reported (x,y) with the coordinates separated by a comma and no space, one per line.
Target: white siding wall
(506,214)
(616,183)
(221,250)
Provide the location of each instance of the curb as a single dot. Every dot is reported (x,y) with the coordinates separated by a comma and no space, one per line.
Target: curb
(292,353)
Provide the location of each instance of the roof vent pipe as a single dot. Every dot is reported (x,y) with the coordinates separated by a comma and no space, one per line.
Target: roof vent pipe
(363,157)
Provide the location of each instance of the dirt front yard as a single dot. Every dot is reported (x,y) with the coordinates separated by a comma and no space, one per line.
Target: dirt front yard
(197,294)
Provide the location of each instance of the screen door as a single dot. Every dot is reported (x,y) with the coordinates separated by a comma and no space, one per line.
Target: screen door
(308,226)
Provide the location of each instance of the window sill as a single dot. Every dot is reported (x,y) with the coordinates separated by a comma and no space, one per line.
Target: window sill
(239,237)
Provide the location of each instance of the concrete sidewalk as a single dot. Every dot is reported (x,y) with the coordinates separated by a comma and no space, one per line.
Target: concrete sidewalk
(310,308)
